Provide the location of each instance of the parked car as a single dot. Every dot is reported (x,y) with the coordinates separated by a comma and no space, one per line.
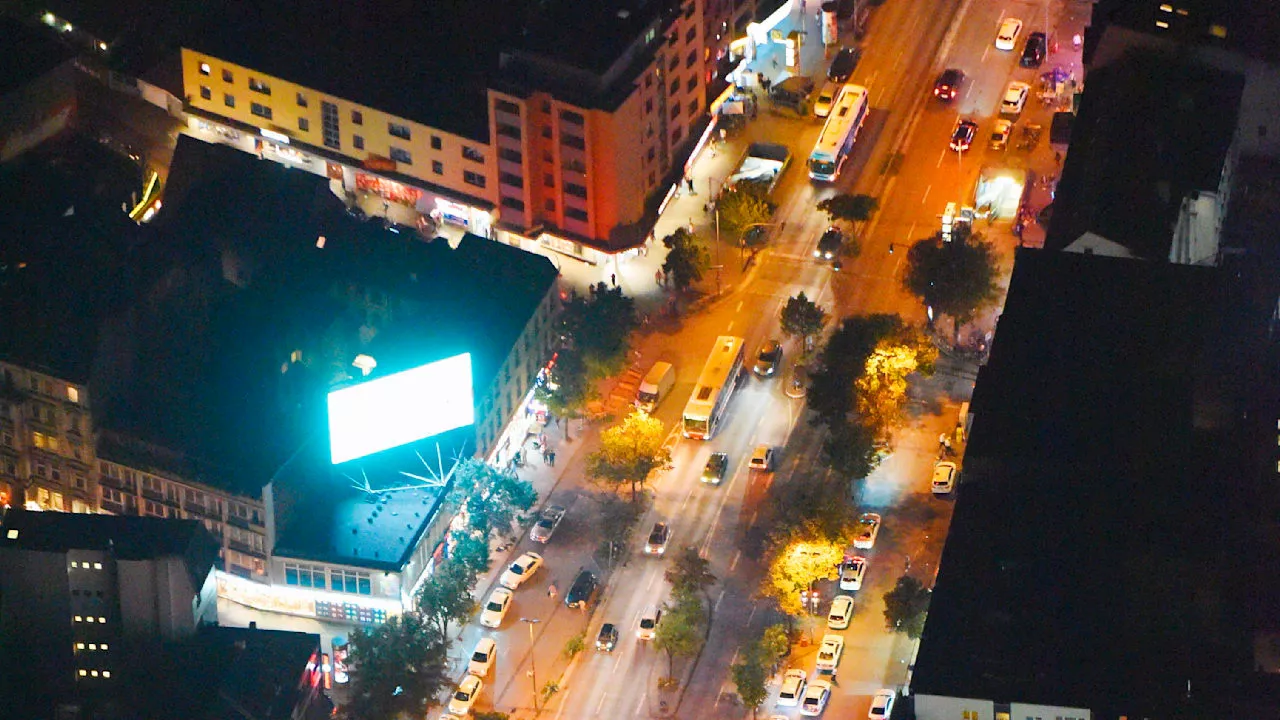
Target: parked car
(793,682)
(482,657)
(658,537)
(715,469)
(882,704)
(1015,98)
(548,521)
(829,653)
(841,612)
(948,84)
(1000,134)
(522,569)
(842,65)
(582,591)
(1034,51)
(496,609)
(826,98)
(607,640)
(852,573)
(465,696)
(962,135)
(1007,35)
(815,698)
(768,359)
(944,478)
(830,244)
(867,530)
(762,458)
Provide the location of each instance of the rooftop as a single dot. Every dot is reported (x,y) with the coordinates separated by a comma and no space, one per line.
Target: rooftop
(1247,27)
(556,29)
(1124,180)
(26,54)
(139,34)
(1092,559)
(126,537)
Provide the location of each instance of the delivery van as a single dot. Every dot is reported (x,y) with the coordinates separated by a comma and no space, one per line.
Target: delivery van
(655,386)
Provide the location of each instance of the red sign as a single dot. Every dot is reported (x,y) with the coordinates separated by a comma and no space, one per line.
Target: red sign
(379,163)
(388,189)
(333,170)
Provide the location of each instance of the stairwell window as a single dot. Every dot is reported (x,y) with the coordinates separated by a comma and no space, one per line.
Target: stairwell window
(257,85)
(397,130)
(401,155)
(260,110)
(472,178)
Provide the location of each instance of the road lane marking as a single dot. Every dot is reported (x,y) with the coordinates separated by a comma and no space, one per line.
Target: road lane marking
(734,563)
(564,701)
(752,522)
(640,704)
(650,584)
(753,613)
(600,705)
(717,605)
(926,194)
(942,158)
(984,53)
(739,307)
(911,232)
(616,663)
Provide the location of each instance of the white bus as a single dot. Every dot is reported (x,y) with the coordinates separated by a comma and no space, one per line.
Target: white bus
(836,141)
(715,388)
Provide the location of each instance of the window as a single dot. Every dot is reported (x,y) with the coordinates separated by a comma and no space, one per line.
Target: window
(575,190)
(513,203)
(675,87)
(675,110)
(329,125)
(648,106)
(676,135)
(549,180)
(576,214)
(304,124)
(357,117)
(437,167)
(511,155)
(401,155)
(397,130)
(674,62)
(511,179)
(227,76)
(205,69)
(260,110)
(693,107)
(692,84)
(472,178)
(229,100)
(472,154)
(357,142)
(257,85)
(435,142)
(570,116)
(510,131)
(648,81)
(550,205)
(693,33)
(574,141)
(206,92)
(691,59)
(507,106)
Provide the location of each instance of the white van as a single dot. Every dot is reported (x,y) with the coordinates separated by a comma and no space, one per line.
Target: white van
(655,386)
(826,98)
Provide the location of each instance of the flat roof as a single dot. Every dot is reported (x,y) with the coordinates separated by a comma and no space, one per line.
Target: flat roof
(1247,27)
(26,54)
(557,29)
(1126,180)
(1094,558)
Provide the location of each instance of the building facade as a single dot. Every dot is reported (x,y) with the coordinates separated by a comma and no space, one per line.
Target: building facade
(46,441)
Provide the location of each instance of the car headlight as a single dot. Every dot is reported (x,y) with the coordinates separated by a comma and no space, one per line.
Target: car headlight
(828,256)
(817,253)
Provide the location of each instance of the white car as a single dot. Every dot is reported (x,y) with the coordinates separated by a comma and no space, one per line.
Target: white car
(868,529)
(496,609)
(852,571)
(1008,33)
(826,98)
(944,477)
(815,698)
(547,523)
(1015,98)
(882,704)
(483,656)
(793,682)
(522,569)
(647,628)
(465,696)
(829,653)
(841,612)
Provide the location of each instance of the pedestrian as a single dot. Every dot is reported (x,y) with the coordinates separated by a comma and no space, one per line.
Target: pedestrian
(690,226)
(946,446)
(542,439)
(723,134)
(689,181)
(552,457)
(613,278)
(657,276)
(942,440)
(551,590)
(1057,158)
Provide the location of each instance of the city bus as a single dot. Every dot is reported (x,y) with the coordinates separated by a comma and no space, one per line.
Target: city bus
(715,388)
(836,141)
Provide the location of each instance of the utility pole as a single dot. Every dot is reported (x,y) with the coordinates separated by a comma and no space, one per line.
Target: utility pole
(533,668)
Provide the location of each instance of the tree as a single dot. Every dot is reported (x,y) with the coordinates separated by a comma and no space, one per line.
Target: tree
(402,668)
(809,507)
(795,565)
(955,278)
(569,387)
(801,317)
(690,574)
(851,208)
(617,520)
(850,449)
(905,606)
(471,551)
(489,715)
(490,497)
(745,204)
(599,328)
(446,596)
(775,643)
(629,451)
(749,676)
(844,359)
(680,634)
(882,387)
(687,259)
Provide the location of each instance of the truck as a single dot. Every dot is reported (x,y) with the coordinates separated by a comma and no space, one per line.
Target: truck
(763,163)
(655,386)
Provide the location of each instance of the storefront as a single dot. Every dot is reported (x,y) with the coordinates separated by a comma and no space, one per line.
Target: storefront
(306,602)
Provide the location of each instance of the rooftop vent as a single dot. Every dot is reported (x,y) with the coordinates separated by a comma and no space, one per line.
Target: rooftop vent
(624,14)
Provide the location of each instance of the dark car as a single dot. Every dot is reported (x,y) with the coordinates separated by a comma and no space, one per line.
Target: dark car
(948,84)
(1033,52)
(962,136)
(608,637)
(582,590)
(829,245)
(769,359)
(843,64)
(713,473)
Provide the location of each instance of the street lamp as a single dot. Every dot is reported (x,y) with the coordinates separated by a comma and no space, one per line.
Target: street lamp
(533,668)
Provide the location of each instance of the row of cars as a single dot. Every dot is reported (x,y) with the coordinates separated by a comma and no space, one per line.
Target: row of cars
(1015,95)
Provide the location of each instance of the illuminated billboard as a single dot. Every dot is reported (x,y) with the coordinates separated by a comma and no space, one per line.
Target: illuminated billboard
(400,408)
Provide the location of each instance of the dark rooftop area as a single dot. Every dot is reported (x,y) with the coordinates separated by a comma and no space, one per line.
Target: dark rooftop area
(26,54)
(559,29)
(1250,27)
(68,257)
(126,537)
(1094,559)
(1124,180)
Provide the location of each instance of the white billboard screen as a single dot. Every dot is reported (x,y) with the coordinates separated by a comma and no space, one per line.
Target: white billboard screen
(400,408)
